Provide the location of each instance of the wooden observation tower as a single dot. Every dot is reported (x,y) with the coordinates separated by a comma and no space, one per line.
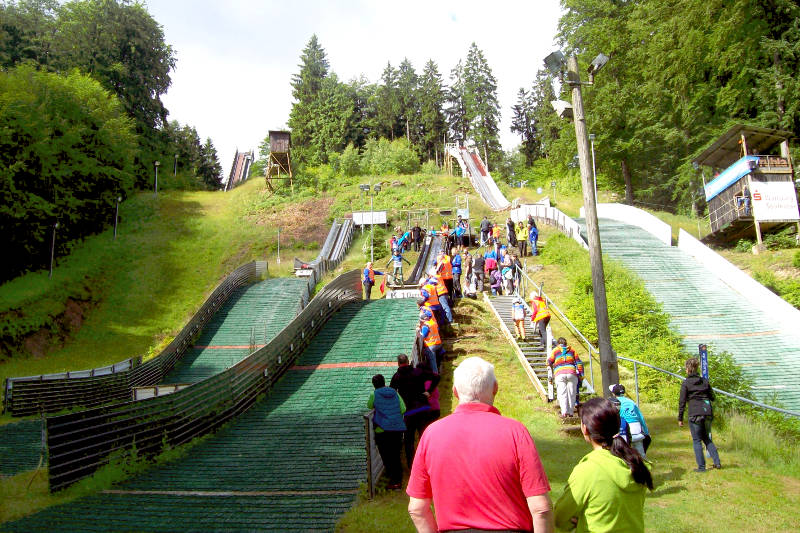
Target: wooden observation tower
(753,188)
(279,167)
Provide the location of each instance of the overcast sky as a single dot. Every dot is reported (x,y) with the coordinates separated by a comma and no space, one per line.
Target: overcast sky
(236,57)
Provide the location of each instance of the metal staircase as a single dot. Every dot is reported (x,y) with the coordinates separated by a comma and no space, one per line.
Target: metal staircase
(533,349)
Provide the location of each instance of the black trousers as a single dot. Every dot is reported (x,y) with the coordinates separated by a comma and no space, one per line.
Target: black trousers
(457,285)
(367,289)
(415,423)
(389,445)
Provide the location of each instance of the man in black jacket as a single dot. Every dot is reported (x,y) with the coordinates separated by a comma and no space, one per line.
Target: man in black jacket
(416,236)
(486,226)
(699,394)
(409,382)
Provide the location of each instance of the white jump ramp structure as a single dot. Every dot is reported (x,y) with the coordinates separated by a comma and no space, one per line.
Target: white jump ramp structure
(473,167)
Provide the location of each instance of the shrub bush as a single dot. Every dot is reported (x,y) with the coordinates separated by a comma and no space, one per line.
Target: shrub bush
(382,157)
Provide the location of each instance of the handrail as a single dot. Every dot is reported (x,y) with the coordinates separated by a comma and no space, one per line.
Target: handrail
(563,318)
(720,391)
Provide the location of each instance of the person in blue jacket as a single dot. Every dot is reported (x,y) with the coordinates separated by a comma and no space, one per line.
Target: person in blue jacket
(533,236)
(389,427)
(455,260)
(368,279)
(630,414)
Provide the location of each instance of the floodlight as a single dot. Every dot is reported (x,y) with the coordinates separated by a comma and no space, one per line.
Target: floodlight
(596,64)
(376,187)
(364,187)
(563,109)
(555,62)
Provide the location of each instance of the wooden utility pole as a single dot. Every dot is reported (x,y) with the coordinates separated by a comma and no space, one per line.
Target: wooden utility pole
(608,358)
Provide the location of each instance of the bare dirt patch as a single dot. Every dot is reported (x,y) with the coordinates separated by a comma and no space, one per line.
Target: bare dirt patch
(38,344)
(302,222)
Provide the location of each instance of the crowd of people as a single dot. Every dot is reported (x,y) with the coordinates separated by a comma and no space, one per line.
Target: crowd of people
(480,470)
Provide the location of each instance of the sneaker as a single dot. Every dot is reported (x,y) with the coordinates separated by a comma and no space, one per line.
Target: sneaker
(718,466)
(699,470)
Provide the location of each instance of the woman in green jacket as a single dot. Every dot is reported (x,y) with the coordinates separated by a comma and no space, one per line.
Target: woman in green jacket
(606,489)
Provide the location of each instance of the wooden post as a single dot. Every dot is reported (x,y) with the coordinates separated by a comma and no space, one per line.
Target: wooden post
(608,358)
(744,144)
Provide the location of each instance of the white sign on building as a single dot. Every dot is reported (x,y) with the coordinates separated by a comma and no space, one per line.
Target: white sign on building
(774,201)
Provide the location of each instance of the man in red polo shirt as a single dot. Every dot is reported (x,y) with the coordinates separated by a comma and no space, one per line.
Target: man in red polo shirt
(480,469)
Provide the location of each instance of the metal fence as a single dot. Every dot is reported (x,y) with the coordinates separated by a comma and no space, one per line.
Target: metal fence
(88,388)
(79,443)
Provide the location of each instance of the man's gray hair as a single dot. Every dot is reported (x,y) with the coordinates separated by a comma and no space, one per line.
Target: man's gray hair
(474,380)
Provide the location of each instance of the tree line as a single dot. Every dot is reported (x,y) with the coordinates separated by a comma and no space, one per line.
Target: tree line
(82,122)
(681,72)
(327,114)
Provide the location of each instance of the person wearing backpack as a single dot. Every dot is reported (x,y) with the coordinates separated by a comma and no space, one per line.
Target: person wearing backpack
(389,427)
(698,392)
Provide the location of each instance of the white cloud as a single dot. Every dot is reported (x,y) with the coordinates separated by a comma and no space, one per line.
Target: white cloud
(236,58)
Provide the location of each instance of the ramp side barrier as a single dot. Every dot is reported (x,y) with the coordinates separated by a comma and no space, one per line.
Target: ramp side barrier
(81,442)
(88,388)
(553,217)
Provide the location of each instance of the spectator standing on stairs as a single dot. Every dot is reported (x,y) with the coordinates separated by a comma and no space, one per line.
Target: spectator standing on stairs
(567,368)
(389,427)
(519,310)
(540,317)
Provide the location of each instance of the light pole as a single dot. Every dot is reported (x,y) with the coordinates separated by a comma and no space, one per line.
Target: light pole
(594,168)
(175,168)
(53,250)
(116,216)
(155,183)
(365,189)
(371,190)
(608,358)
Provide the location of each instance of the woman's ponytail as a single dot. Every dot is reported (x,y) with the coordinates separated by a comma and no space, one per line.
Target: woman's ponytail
(602,422)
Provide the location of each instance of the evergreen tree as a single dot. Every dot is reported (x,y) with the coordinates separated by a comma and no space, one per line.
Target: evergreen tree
(407,86)
(481,104)
(388,105)
(209,169)
(306,88)
(523,123)
(364,119)
(431,102)
(332,114)
(456,111)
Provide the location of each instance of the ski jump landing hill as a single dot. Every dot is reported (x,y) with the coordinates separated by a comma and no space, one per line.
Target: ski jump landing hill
(472,166)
